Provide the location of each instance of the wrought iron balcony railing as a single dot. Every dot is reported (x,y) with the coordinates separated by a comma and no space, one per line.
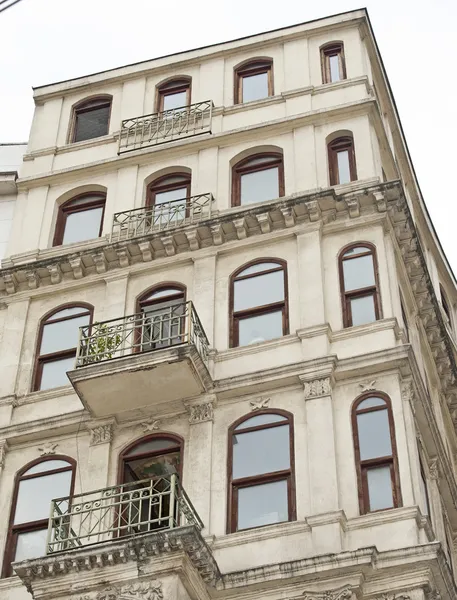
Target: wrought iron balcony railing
(156,128)
(167,215)
(119,511)
(177,324)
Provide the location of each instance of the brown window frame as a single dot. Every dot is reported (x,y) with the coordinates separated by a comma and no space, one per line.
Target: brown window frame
(252,67)
(41,359)
(86,105)
(332,49)
(373,290)
(339,144)
(98,200)
(170,87)
(153,436)
(236,316)
(288,474)
(15,530)
(243,167)
(160,185)
(363,466)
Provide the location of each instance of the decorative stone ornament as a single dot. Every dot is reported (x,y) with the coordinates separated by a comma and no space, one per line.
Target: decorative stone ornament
(201,413)
(47,448)
(367,387)
(394,597)
(148,590)
(317,387)
(151,425)
(101,434)
(344,593)
(434,470)
(3,451)
(260,404)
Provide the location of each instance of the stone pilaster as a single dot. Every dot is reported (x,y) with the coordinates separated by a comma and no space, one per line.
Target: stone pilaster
(101,435)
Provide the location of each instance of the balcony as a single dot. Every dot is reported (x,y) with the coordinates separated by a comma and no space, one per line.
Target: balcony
(135,223)
(166,126)
(158,357)
(117,512)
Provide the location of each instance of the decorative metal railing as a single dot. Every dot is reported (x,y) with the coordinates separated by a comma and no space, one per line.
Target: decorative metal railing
(176,324)
(166,215)
(156,128)
(122,510)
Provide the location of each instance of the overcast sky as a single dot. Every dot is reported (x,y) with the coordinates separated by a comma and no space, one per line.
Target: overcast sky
(43,41)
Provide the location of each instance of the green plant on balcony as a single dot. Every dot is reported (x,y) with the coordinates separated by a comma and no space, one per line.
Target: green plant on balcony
(102,344)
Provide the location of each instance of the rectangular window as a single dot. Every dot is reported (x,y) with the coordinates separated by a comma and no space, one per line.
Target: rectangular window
(379,483)
(172,101)
(334,67)
(344,168)
(82,225)
(362,309)
(54,373)
(262,504)
(255,87)
(252,330)
(332,63)
(253,81)
(91,122)
(259,186)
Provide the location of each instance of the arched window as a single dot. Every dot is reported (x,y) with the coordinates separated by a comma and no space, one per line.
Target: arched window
(359,284)
(35,486)
(445,305)
(90,119)
(170,197)
(341,160)
(261,470)
(258,178)
(163,317)
(173,94)
(375,453)
(80,219)
(332,62)
(253,80)
(56,349)
(155,457)
(258,302)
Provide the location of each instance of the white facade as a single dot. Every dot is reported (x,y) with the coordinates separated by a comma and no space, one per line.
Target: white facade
(329,547)
(10,160)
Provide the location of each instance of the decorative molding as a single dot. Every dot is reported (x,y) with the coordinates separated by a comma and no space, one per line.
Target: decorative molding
(433,468)
(3,452)
(407,391)
(151,425)
(367,387)
(435,595)
(47,448)
(394,597)
(344,593)
(148,590)
(201,413)
(259,404)
(317,387)
(101,434)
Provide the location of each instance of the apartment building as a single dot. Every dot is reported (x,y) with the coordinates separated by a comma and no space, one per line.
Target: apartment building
(227,335)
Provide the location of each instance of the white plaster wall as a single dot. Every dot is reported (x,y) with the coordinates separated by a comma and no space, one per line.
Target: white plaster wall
(7,206)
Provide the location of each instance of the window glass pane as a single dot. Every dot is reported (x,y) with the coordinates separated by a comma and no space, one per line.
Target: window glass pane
(62,335)
(47,465)
(67,312)
(259,268)
(259,291)
(370,403)
(363,310)
(261,328)
(83,225)
(374,434)
(260,420)
(54,373)
(261,451)
(152,466)
(151,446)
(358,273)
(255,87)
(171,101)
(91,123)
(260,186)
(35,495)
(170,195)
(262,504)
(380,488)
(344,172)
(334,62)
(31,544)
(358,250)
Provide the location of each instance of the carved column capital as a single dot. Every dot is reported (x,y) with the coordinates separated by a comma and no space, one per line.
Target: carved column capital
(100,433)
(147,590)
(434,469)
(343,593)
(200,413)
(314,388)
(3,452)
